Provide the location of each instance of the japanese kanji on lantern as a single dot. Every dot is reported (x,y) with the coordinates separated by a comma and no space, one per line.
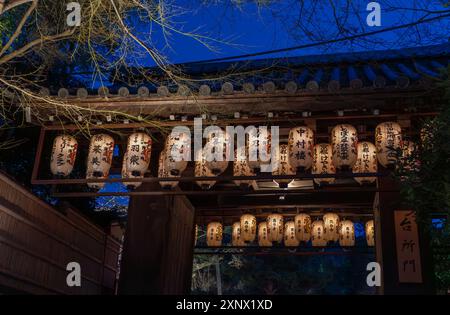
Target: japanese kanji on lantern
(241,168)
(302,227)
(214,234)
(275,227)
(322,163)
(370,233)
(216,151)
(178,152)
(202,171)
(99,158)
(259,147)
(331,227)
(263,237)
(344,140)
(64,153)
(282,165)
(128,174)
(300,145)
(366,162)
(236,235)
(163,172)
(388,138)
(317,236)
(248,227)
(290,240)
(346,233)
(139,151)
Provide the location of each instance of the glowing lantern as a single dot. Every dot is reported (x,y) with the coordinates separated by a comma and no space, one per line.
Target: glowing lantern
(241,168)
(331,227)
(282,166)
(259,147)
(127,174)
(99,159)
(322,163)
(217,152)
(344,140)
(366,162)
(347,233)
(248,227)
(236,235)
(263,237)
(202,171)
(163,172)
(370,233)
(290,240)
(301,143)
(317,235)
(214,234)
(302,227)
(178,152)
(139,150)
(275,227)
(388,138)
(64,153)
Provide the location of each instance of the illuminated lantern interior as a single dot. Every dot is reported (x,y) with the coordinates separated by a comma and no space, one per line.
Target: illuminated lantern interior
(366,162)
(317,234)
(370,233)
(202,171)
(302,227)
(163,172)
(290,240)
(64,153)
(300,145)
(99,159)
(178,152)
(282,165)
(216,152)
(263,237)
(248,227)
(214,234)
(128,174)
(259,147)
(322,163)
(275,227)
(388,138)
(344,140)
(236,235)
(346,233)
(331,227)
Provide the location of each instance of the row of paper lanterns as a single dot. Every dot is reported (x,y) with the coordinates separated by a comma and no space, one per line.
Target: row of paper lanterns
(300,153)
(290,233)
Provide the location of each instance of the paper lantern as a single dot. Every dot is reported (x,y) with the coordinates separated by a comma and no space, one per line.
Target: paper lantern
(259,147)
(388,138)
(163,172)
(99,159)
(139,151)
(236,235)
(64,153)
(366,162)
(282,165)
(128,174)
(202,171)
(317,234)
(303,227)
(301,143)
(331,227)
(290,240)
(178,152)
(263,237)
(216,151)
(275,227)
(214,234)
(241,168)
(346,233)
(322,163)
(248,227)
(370,233)
(344,140)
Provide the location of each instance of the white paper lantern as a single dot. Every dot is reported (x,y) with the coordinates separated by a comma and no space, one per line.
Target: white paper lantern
(64,153)
(370,233)
(275,227)
(344,140)
(178,152)
(259,147)
(317,234)
(388,138)
(202,171)
(366,162)
(301,143)
(346,233)
(263,237)
(217,151)
(163,172)
(331,227)
(128,174)
(99,159)
(241,168)
(290,240)
(139,151)
(248,227)
(282,165)
(322,163)
(214,234)
(236,235)
(303,227)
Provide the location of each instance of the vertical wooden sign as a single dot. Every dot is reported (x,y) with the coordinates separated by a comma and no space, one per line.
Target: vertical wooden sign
(408,251)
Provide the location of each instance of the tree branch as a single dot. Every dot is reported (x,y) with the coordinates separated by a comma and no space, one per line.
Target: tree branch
(12,4)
